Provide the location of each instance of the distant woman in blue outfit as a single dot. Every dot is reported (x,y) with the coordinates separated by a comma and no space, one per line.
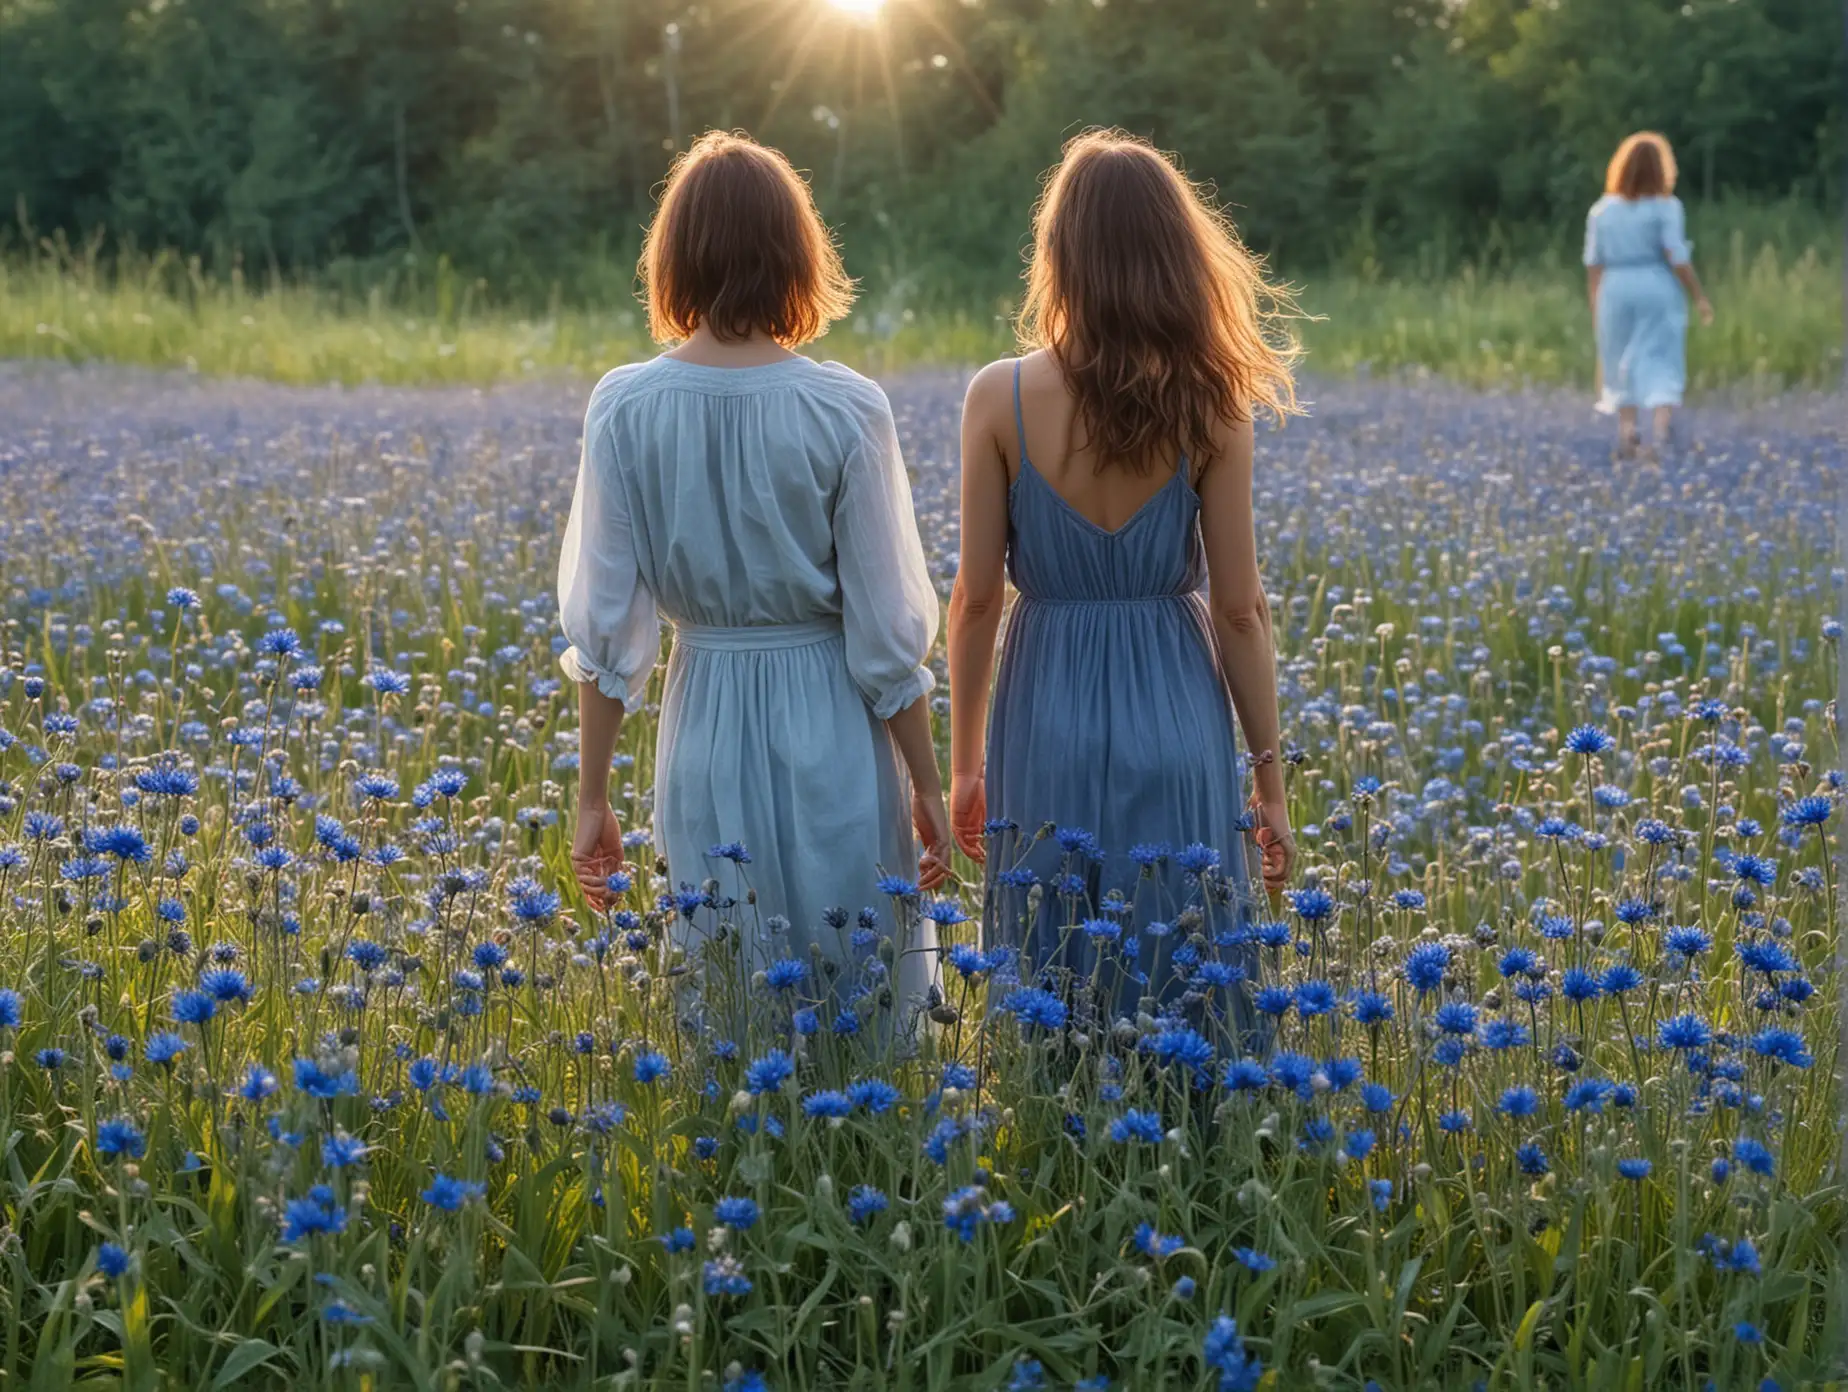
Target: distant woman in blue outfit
(1637,266)
(1108,473)
(756,499)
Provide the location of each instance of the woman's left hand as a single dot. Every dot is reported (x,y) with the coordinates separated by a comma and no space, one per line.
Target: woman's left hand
(1704,308)
(933,827)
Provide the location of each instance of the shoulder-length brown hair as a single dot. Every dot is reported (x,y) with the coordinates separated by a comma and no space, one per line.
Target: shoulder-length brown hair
(1643,167)
(737,245)
(1159,318)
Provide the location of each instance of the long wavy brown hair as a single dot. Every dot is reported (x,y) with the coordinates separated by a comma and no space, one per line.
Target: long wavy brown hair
(1162,323)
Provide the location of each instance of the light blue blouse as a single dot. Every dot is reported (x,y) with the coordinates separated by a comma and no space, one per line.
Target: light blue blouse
(734,497)
(1636,232)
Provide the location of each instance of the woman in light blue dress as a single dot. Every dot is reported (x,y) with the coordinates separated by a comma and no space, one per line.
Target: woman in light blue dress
(1109,474)
(1640,276)
(757,500)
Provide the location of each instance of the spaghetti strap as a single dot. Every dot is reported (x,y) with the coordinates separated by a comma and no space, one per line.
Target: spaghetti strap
(1020,421)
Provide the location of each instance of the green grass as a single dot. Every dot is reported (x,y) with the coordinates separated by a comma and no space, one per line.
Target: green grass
(1779,324)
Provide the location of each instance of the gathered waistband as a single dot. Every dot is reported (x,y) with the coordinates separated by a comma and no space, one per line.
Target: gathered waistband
(756,637)
(1074,602)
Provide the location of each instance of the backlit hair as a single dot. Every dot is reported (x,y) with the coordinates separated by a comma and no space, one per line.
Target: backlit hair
(737,245)
(1643,167)
(1160,320)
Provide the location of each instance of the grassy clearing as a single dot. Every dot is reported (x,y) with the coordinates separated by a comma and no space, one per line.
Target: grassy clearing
(1779,325)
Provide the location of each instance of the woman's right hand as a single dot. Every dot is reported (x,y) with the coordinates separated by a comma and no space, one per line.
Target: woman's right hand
(596,853)
(969,814)
(1704,308)
(1276,843)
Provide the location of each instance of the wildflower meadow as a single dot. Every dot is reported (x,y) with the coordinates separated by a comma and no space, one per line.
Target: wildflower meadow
(317,1070)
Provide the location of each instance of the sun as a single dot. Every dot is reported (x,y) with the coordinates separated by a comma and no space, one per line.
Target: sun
(865,8)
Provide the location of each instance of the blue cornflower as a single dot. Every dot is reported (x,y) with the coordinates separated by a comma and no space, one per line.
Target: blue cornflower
(1274,1000)
(1035,1007)
(316,1081)
(874,1095)
(897,887)
(1357,1143)
(1532,1160)
(163,1046)
(121,1138)
(1587,1095)
(1634,1167)
(739,1213)
(1244,1075)
(339,1151)
(1253,1260)
(1154,1244)
(1684,1031)
(1520,1101)
(1370,1008)
(1589,740)
(450,1194)
(1377,1097)
(725,1276)
(651,1065)
(785,974)
(827,1105)
(1425,966)
(112,1261)
(1454,1123)
(193,1007)
(1135,1126)
(1783,1046)
(1315,998)
(1312,905)
(1223,1349)
(1811,811)
(1754,1156)
(1754,869)
(1578,984)
(769,1073)
(11,1011)
(223,984)
(1618,978)
(865,1202)
(677,1240)
(1455,1017)
(317,1213)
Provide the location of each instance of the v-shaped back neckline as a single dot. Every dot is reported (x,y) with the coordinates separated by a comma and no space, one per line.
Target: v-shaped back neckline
(1027,465)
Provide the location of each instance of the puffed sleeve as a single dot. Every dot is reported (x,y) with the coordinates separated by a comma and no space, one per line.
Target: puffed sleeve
(1675,243)
(1593,257)
(888,608)
(604,605)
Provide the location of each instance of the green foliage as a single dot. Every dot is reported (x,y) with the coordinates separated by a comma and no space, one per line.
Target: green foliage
(522,137)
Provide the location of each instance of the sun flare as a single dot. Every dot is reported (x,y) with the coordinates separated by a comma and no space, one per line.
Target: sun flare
(865,8)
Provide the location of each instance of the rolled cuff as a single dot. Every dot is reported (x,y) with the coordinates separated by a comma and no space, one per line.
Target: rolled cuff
(580,669)
(895,698)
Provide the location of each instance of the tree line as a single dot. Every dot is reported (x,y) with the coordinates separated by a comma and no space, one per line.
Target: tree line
(522,139)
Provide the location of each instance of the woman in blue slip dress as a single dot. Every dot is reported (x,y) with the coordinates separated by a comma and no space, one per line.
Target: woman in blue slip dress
(1108,474)
(757,500)
(1637,268)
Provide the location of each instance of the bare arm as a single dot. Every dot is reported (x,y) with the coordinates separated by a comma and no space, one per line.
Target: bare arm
(911,732)
(1242,624)
(976,601)
(1594,277)
(596,841)
(1684,272)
